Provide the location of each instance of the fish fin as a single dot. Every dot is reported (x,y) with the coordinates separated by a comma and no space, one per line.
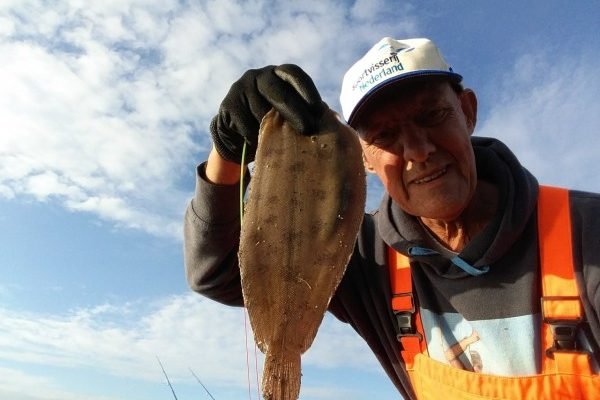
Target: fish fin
(281,376)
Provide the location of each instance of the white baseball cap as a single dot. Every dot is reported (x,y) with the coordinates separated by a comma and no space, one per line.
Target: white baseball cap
(390,61)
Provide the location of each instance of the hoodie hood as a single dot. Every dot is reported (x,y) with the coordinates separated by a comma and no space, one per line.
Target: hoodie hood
(517,189)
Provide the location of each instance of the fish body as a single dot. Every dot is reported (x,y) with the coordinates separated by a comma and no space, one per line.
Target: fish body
(304,208)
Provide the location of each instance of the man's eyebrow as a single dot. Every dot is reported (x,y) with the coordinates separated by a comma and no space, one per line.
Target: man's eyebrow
(433,100)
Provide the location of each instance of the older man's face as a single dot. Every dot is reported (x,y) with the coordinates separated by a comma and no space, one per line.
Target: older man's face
(418,143)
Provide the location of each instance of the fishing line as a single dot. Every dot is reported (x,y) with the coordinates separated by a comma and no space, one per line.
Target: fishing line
(241,221)
(247,354)
(242,170)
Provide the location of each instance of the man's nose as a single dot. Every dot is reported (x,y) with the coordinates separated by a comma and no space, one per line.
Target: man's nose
(417,147)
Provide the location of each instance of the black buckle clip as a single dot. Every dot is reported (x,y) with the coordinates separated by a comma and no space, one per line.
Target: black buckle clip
(564,335)
(404,322)
(564,331)
(404,319)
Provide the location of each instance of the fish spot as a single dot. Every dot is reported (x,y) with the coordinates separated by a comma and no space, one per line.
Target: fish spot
(296,237)
(315,228)
(325,258)
(270,151)
(271,219)
(319,194)
(261,268)
(297,167)
(275,163)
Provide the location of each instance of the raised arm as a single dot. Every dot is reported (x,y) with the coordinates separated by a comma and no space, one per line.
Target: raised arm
(212,224)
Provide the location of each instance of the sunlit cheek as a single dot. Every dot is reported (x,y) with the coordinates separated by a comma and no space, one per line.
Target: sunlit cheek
(387,165)
(394,181)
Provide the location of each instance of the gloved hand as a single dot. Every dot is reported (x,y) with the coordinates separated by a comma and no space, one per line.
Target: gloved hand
(287,88)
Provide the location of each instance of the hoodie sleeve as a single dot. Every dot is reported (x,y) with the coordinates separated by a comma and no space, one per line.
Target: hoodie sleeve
(585,214)
(211,239)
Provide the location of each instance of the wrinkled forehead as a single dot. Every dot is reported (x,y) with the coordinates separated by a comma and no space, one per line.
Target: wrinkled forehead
(406,95)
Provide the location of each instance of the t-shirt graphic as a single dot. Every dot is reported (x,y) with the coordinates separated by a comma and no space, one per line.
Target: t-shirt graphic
(507,346)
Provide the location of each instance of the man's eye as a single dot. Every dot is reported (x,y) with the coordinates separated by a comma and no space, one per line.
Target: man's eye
(433,117)
(382,138)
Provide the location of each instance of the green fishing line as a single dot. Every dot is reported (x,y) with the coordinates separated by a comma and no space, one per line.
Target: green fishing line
(242,168)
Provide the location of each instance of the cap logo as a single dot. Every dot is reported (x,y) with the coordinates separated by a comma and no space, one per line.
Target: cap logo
(380,69)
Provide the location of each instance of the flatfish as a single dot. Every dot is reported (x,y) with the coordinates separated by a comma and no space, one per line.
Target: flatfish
(304,208)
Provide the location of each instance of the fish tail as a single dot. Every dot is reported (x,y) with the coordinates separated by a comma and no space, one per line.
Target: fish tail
(281,376)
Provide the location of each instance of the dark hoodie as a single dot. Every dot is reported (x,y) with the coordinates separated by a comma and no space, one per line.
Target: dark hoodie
(489,291)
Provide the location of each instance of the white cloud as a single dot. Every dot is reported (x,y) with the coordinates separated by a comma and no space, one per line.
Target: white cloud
(48,183)
(105,105)
(546,109)
(349,349)
(18,385)
(328,393)
(184,331)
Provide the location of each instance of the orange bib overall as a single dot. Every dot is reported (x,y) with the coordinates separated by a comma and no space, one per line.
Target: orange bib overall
(566,373)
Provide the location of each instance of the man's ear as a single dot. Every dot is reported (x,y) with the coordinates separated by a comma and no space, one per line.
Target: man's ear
(468,102)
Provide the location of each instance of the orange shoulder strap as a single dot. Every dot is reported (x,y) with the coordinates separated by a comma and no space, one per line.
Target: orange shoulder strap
(560,303)
(410,328)
(556,255)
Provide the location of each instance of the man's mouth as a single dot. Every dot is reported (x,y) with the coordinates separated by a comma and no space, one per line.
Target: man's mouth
(431,177)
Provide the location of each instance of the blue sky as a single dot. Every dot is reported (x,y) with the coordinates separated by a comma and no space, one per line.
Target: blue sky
(104,108)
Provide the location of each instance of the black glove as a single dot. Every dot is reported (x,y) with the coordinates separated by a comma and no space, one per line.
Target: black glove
(287,88)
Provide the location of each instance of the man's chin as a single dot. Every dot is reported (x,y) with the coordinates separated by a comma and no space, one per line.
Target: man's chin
(447,212)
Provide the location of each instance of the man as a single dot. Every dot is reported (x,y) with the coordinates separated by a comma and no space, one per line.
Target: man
(460,207)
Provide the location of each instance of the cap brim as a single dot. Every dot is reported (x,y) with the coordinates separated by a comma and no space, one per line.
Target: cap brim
(453,77)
